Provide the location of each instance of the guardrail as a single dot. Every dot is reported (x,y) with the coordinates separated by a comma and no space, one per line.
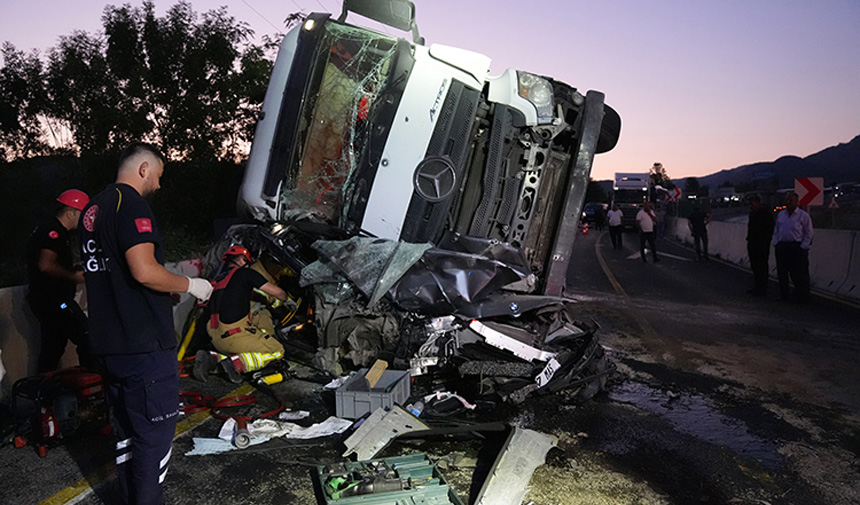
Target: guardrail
(834,258)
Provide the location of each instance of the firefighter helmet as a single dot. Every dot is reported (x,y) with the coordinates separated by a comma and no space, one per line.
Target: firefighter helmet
(236,250)
(74,198)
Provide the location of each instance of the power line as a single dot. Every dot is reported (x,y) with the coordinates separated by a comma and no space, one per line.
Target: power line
(261,15)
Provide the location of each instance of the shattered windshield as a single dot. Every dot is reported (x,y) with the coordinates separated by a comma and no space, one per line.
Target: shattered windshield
(351,69)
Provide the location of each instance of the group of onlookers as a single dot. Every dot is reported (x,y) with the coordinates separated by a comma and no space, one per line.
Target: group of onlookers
(790,234)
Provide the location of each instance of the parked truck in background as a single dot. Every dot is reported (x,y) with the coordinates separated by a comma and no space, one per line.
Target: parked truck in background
(630,191)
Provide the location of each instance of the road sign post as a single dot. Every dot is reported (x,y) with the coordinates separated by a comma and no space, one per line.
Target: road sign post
(834,205)
(810,190)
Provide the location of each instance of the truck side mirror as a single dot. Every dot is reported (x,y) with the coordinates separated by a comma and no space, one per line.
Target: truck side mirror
(398,14)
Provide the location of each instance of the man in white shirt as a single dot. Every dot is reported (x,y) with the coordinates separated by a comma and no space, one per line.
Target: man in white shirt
(645,220)
(615,226)
(792,238)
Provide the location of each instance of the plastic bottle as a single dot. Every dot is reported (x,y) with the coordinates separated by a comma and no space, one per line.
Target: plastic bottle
(417,408)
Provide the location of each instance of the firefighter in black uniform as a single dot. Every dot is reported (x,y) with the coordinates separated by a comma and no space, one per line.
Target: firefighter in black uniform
(131,321)
(53,280)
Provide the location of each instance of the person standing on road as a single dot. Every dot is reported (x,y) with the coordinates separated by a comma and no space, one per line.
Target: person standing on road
(698,223)
(615,226)
(645,221)
(759,235)
(661,221)
(600,217)
(53,281)
(792,237)
(131,321)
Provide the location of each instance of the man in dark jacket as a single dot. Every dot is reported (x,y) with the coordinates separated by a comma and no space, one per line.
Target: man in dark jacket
(759,235)
(53,281)
(698,222)
(132,335)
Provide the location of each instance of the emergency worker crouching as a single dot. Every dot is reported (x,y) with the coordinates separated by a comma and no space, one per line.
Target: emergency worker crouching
(242,331)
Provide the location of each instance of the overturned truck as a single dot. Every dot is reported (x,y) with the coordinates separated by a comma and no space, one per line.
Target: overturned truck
(417,208)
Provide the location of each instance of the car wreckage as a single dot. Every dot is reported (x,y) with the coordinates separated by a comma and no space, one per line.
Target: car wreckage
(417,209)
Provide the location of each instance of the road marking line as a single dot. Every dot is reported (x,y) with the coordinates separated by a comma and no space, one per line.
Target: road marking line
(640,319)
(82,488)
(605,267)
(636,256)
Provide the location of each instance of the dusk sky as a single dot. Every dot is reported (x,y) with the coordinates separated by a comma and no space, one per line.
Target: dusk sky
(701,86)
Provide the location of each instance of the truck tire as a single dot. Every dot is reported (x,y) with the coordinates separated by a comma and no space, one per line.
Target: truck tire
(610,130)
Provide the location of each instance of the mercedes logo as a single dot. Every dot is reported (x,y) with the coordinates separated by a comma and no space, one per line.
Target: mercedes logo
(435,178)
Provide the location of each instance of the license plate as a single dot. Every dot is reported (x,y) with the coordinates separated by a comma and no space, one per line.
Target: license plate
(546,374)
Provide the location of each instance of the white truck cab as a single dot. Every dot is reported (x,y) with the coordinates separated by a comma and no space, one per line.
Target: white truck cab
(387,137)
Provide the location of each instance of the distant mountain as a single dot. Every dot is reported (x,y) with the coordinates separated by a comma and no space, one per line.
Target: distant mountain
(840,163)
(837,164)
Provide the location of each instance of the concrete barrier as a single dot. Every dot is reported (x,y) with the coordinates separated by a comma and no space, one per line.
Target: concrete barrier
(19,329)
(850,287)
(834,258)
(729,241)
(830,259)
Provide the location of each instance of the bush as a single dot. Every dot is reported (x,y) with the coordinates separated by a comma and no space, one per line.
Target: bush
(193,197)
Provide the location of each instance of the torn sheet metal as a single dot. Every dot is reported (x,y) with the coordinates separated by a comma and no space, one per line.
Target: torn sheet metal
(419,277)
(496,338)
(378,430)
(446,282)
(432,308)
(509,304)
(507,484)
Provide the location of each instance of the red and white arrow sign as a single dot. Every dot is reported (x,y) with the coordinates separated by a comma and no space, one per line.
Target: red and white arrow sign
(810,190)
(675,194)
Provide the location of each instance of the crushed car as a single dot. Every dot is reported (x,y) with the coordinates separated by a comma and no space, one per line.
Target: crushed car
(416,208)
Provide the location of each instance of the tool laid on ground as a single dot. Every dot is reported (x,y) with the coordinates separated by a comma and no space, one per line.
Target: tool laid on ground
(403,479)
(57,405)
(196,402)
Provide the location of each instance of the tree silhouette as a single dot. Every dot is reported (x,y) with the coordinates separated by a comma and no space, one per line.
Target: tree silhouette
(187,82)
(659,176)
(23,99)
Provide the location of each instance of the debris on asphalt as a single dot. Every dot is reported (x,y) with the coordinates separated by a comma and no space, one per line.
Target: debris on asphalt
(264,430)
(524,451)
(379,430)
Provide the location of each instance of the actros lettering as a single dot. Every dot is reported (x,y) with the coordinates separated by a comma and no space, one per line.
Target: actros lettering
(438,99)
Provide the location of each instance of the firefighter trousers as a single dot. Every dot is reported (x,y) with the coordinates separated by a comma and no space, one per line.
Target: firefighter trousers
(254,333)
(143,393)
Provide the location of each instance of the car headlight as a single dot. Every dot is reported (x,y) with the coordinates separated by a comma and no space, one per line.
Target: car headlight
(538,91)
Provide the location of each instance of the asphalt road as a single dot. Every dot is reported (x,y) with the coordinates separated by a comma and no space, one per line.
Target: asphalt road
(718,398)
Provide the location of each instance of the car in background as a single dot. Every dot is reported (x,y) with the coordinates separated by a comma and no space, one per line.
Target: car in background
(591,211)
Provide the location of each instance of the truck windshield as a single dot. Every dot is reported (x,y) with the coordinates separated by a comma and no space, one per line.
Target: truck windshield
(350,69)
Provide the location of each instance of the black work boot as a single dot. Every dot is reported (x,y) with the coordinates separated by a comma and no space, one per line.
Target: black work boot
(204,363)
(232,374)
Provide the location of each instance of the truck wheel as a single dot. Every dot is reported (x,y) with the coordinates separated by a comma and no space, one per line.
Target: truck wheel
(610,130)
